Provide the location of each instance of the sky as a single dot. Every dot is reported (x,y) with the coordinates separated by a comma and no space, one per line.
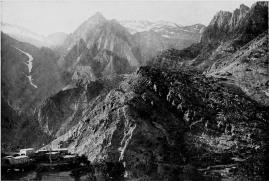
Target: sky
(45,17)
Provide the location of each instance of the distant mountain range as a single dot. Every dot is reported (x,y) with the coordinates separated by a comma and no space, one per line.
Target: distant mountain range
(166,29)
(24,35)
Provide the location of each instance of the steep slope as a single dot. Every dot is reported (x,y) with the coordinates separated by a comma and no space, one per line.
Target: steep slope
(157,121)
(19,130)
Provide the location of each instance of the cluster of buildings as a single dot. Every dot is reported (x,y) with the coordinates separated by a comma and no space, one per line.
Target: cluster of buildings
(29,155)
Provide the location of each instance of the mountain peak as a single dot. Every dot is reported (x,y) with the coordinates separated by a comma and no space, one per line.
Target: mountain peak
(98,14)
(115,21)
(244,8)
(98,17)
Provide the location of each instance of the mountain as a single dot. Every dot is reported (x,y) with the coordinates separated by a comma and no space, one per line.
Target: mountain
(149,43)
(137,106)
(105,47)
(166,35)
(24,35)
(166,29)
(157,119)
(234,47)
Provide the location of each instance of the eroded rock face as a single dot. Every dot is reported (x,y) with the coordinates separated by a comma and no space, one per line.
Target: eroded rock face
(157,120)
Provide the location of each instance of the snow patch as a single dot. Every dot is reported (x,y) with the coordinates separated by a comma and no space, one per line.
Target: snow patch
(202,30)
(166,36)
(31,80)
(29,64)
(30,61)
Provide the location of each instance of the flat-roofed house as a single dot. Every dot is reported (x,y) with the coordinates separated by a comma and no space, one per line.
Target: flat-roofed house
(21,159)
(62,150)
(41,152)
(17,160)
(27,151)
(8,160)
(53,155)
(70,158)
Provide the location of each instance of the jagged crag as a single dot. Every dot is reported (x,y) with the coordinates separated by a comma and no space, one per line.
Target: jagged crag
(188,109)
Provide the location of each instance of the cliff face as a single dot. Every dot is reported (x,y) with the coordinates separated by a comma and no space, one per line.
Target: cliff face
(247,22)
(157,119)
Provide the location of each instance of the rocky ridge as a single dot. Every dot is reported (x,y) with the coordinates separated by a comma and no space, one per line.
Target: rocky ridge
(158,120)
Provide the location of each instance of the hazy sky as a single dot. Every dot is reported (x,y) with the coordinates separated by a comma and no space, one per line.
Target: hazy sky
(45,17)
